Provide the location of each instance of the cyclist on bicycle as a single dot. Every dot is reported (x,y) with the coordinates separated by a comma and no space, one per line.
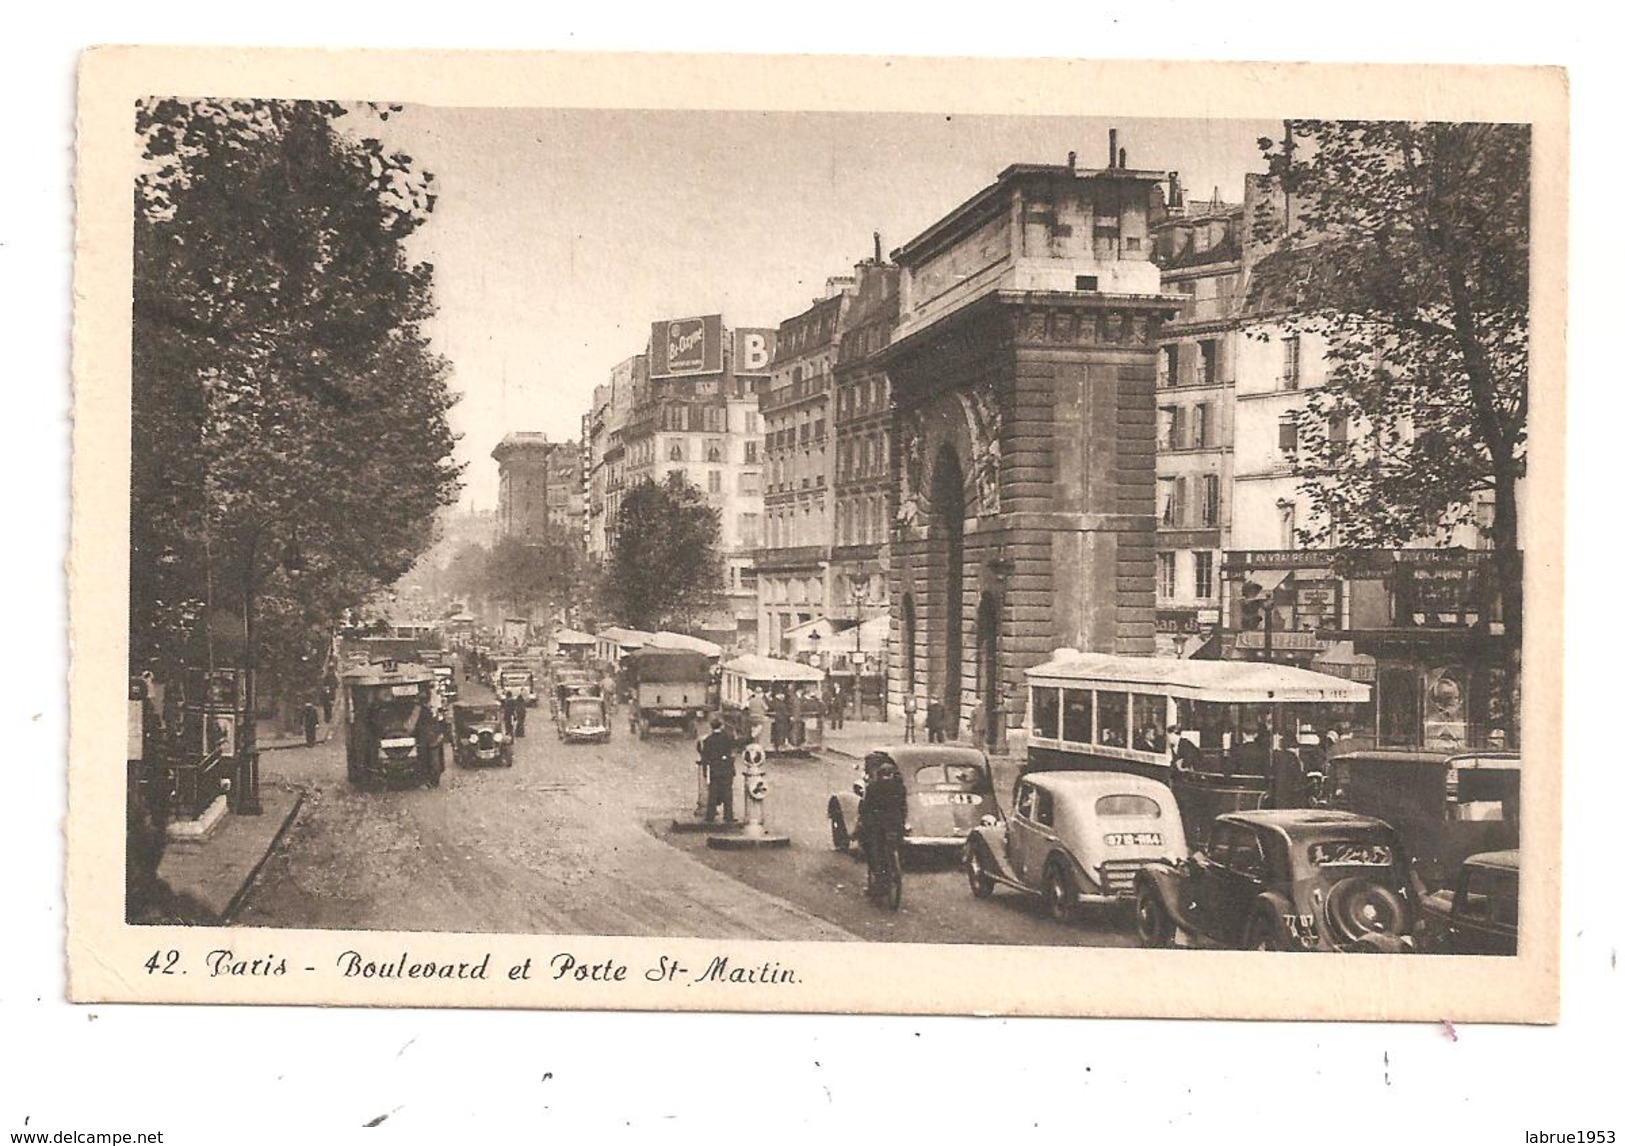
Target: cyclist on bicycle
(882,812)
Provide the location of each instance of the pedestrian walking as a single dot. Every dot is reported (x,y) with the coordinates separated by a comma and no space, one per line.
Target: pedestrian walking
(310,724)
(519,707)
(936,718)
(837,707)
(978,724)
(328,693)
(717,755)
(910,707)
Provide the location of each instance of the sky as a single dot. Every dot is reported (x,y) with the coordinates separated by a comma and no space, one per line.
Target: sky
(561,234)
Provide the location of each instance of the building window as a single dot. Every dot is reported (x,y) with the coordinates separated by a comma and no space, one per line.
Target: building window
(713,481)
(750,484)
(1289,433)
(1173,501)
(1199,425)
(750,453)
(1204,575)
(1168,363)
(713,451)
(1210,499)
(675,454)
(1165,575)
(1291,362)
(1173,428)
(1337,431)
(1210,361)
(749,530)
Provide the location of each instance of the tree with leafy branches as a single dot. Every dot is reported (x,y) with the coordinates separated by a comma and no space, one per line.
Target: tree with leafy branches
(290,440)
(1405,246)
(665,567)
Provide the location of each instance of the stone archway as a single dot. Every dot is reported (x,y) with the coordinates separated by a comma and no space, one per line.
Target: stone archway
(948,538)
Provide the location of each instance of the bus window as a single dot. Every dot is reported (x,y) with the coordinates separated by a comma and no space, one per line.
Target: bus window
(1150,722)
(1077,714)
(1113,718)
(1046,712)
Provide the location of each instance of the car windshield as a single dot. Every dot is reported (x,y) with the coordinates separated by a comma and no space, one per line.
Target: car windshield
(396,717)
(1140,807)
(1350,853)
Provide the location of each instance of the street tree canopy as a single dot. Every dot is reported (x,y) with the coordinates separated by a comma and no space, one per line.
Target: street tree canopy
(1406,246)
(290,442)
(665,566)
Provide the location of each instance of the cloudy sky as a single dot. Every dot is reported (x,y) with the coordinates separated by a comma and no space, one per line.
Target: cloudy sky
(561,234)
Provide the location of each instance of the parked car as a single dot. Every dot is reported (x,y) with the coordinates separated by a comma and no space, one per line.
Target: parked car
(1075,838)
(949,791)
(1478,914)
(1285,880)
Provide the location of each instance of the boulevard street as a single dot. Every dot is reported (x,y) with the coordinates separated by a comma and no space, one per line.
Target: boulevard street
(576,839)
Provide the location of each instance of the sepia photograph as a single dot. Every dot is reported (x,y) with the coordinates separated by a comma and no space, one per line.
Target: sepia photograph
(745,532)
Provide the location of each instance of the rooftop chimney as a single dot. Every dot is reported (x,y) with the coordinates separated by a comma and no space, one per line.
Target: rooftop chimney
(878,257)
(1111,148)
(1072,162)
(1176,193)
(1122,158)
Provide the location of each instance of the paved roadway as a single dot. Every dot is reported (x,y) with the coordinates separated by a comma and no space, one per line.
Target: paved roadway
(576,839)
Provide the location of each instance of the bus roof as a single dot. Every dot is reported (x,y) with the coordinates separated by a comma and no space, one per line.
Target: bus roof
(1223,682)
(753,667)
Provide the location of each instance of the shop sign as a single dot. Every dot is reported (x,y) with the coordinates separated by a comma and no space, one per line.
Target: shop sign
(753,350)
(1288,640)
(686,346)
(1178,622)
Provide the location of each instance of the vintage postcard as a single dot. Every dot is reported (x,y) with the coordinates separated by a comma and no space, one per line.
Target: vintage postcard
(622,532)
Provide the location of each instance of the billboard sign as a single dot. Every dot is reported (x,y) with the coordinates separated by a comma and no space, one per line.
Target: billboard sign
(686,346)
(753,350)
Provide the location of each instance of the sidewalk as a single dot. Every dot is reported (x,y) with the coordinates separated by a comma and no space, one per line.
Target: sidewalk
(855,738)
(218,871)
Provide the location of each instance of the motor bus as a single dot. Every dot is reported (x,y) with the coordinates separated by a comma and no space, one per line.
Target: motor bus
(1208,729)
(793,721)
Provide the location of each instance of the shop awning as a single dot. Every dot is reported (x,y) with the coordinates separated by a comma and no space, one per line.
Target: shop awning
(876,631)
(1341,660)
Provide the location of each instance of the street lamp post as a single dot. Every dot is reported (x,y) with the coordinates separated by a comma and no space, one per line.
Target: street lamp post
(860,598)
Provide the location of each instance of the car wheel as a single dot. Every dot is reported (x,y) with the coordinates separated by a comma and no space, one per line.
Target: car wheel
(1151,920)
(839,839)
(981,883)
(1060,894)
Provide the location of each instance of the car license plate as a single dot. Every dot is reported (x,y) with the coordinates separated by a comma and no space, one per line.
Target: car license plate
(1134,839)
(403,690)
(937,799)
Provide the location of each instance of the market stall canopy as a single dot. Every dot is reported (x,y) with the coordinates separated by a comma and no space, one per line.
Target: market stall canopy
(753,667)
(626,638)
(669,640)
(572,638)
(1222,682)
(876,631)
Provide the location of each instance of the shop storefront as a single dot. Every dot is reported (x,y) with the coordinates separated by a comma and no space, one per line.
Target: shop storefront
(1422,626)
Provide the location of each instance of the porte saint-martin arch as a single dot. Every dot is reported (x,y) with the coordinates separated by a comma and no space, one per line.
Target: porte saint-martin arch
(1023,372)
